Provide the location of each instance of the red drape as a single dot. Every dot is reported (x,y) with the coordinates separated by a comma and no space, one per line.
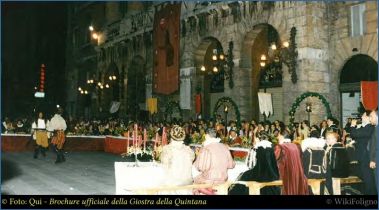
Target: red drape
(198,103)
(291,169)
(369,91)
(166,49)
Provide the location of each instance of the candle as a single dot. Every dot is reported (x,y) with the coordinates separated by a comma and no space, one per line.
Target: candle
(135,135)
(164,137)
(127,141)
(156,140)
(144,139)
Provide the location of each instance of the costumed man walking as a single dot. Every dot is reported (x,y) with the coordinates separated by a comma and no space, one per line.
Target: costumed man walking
(58,125)
(40,136)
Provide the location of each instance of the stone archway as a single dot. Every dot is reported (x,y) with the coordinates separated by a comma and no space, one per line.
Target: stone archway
(255,44)
(350,78)
(112,79)
(212,84)
(173,111)
(136,87)
(110,90)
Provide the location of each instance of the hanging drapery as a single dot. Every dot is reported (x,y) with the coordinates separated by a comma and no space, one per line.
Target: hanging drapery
(369,91)
(166,31)
(265,103)
(152,105)
(198,103)
(115,105)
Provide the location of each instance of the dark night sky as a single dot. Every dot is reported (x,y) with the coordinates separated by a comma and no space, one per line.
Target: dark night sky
(32,34)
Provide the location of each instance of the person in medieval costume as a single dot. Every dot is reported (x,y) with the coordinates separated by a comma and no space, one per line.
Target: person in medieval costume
(362,135)
(177,159)
(40,136)
(373,144)
(336,161)
(213,161)
(313,156)
(288,156)
(58,125)
(265,168)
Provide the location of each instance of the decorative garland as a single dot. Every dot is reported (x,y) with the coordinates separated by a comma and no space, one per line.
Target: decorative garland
(303,96)
(225,100)
(170,108)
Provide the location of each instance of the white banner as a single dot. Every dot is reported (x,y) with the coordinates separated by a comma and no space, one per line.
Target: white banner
(265,103)
(115,105)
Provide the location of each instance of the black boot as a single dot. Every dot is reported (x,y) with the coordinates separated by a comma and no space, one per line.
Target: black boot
(59,159)
(43,151)
(36,151)
(63,157)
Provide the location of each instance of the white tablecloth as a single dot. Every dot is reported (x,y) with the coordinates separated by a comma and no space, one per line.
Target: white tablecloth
(150,175)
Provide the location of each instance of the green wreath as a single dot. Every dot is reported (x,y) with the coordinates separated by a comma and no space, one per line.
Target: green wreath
(224,100)
(303,96)
(170,108)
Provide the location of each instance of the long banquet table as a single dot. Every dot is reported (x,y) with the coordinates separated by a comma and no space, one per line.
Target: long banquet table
(110,144)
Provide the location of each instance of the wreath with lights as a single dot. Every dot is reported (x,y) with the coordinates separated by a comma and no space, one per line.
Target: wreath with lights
(303,96)
(170,108)
(227,100)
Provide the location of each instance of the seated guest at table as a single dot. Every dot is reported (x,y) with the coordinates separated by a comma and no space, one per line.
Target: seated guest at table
(234,139)
(213,161)
(40,135)
(7,126)
(177,159)
(20,128)
(265,169)
(313,156)
(336,161)
(290,166)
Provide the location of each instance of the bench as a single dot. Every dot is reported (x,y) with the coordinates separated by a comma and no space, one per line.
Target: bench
(254,187)
(222,189)
(337,182)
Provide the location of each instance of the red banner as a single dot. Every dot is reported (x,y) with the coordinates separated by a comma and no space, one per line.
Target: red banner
(166,49)
(198,103)
(369,91)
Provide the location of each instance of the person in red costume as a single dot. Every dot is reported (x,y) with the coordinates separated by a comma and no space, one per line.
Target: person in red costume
(288,156)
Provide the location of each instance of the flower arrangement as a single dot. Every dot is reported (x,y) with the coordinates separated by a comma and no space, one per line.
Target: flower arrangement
(119,131)
(196,138)
(246,142)
(157,153)
(142,155)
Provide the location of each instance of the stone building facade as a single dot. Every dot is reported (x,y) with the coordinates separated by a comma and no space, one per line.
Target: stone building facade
(324,40)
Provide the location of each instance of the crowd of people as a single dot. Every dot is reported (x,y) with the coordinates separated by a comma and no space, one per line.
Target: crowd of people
(290,153)
(293,158)
(232,132)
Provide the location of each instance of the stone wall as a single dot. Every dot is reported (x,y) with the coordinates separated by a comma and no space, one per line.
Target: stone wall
(323,44)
